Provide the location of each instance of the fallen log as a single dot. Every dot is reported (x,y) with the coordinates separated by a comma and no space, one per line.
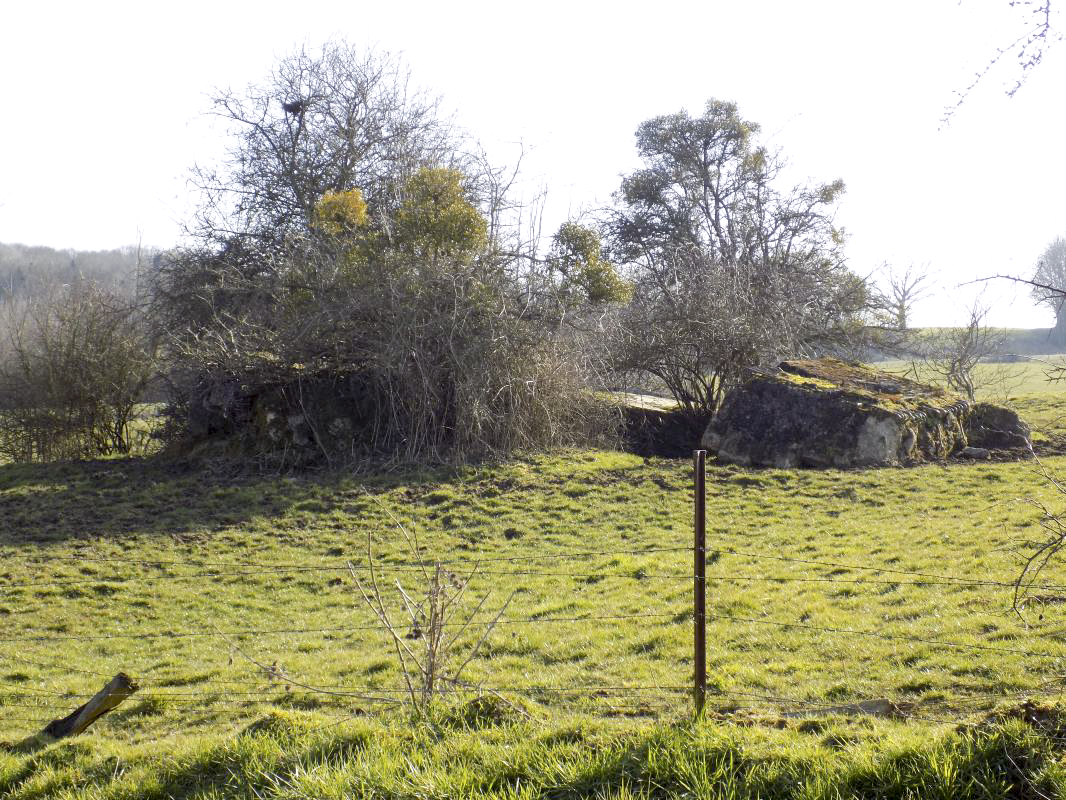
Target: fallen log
(107,699)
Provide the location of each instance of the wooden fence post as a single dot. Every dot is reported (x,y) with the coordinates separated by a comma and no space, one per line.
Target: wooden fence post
(110,697)
(699,580)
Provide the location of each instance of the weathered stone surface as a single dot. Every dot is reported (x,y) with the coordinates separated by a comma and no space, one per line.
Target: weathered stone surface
(656,426)
(828,413)
(300,420)
(997,428)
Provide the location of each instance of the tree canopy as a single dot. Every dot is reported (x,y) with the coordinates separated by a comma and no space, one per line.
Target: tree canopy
(730,269)
(350,273)
(325,121)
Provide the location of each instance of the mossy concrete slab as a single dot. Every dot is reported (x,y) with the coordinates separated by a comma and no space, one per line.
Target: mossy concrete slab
(830,413)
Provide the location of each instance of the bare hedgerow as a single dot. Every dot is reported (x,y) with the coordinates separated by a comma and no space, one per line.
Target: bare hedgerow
(75,362)
(437,361)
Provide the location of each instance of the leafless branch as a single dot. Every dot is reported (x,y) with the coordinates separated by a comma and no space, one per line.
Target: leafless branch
(1029,49)
(278,674)
(442,657)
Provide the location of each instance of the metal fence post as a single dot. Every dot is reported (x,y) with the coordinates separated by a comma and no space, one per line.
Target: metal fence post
(699,580)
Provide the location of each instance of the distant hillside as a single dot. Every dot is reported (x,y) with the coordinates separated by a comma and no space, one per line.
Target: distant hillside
(1032,341)
(25,270)
(1017,341)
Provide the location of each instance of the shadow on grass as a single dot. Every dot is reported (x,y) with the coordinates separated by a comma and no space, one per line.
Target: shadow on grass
(45,503)
(278,756)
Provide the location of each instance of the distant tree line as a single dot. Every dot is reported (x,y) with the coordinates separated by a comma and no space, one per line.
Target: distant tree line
(32,270)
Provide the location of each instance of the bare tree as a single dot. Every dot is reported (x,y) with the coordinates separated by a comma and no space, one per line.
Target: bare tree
(1048,282)
(903,290)
(729,270)
(952,354)
(328,120)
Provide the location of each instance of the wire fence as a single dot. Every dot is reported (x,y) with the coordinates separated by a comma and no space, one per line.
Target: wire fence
(28,703)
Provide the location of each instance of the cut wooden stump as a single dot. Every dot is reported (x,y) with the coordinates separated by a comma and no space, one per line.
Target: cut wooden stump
(107,699)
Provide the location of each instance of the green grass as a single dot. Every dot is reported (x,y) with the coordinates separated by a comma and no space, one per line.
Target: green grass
(92,553)
(1023,341)
(286,757)
(995,380)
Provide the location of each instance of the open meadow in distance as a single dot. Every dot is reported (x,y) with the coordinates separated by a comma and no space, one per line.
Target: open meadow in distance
(228,596)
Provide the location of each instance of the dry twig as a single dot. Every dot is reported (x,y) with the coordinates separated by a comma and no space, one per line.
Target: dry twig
(441,656)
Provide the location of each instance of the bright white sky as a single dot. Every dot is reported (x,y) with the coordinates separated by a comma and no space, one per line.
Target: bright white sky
(104,110)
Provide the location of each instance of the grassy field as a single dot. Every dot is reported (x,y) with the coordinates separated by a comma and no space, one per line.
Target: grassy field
(180,576)
(226,594)
(1023,385)
(994,380)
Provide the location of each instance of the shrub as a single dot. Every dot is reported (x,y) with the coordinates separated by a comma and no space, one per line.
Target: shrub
(352,292)
(74,364)
(417,345)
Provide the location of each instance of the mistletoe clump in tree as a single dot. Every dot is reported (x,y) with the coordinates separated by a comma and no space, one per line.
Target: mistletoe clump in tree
(730,270)
(350,267)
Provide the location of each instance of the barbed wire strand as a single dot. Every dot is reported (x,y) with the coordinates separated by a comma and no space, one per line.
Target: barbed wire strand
(356,559)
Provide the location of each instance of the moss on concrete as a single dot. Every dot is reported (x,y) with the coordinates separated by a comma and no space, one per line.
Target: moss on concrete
(830,413)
